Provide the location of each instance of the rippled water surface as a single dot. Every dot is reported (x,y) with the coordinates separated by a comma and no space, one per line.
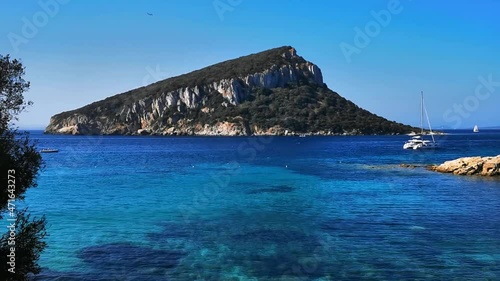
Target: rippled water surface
(313,208)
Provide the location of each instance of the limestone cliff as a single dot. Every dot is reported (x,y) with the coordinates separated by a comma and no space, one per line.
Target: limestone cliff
(223,99)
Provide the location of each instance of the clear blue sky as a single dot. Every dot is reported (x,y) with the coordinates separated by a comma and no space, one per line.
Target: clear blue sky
(87,50)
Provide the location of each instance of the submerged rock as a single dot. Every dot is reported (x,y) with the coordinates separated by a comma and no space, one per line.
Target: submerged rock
(411,166)
(272,189)
(484,166)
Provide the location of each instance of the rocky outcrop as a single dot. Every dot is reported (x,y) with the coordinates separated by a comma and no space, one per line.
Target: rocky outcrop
(484,166)
(156,115)
(244,96)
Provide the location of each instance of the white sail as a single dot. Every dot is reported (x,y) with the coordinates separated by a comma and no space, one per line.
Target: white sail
(476,129)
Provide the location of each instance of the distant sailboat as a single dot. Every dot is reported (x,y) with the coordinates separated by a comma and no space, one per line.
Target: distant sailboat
(476,129)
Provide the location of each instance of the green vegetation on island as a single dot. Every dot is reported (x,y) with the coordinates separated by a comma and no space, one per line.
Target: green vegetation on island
(272,92)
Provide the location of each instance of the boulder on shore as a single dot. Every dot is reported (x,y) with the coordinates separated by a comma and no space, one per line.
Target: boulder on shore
(483,166)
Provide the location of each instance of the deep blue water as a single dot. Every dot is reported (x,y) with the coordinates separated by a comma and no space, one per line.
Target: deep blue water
(280,208)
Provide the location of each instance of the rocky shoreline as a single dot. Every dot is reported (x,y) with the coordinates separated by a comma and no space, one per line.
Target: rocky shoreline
(225,129)
(469,166)
(206,131)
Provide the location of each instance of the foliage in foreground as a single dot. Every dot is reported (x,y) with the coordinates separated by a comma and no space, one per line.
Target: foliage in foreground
(20,163)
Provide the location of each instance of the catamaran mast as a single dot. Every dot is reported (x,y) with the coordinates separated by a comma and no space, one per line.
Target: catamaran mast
(427,116)
(421,112)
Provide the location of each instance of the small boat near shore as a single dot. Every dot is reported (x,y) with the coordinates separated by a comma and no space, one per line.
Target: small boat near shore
(417,141)
(49,150)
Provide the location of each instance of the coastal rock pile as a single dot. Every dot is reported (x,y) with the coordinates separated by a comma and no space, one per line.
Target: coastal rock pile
(484,166)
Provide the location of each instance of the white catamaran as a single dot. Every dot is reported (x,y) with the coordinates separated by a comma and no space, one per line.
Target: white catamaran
(418,141)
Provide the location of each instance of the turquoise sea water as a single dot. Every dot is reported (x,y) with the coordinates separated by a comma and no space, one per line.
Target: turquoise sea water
(314,208)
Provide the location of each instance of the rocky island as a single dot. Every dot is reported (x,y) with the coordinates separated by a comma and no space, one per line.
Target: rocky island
(275,92)
(483,166)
